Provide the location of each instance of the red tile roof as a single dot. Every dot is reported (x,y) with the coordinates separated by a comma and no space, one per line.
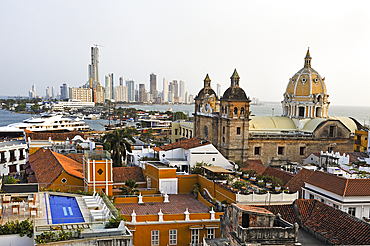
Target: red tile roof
(334,225)
(48,165)
(121,174)
(285,177)
(253,165)
(253,209)
(339,185)
(76,157)
(297,182)
(56,136)
(185,144)
(177,205)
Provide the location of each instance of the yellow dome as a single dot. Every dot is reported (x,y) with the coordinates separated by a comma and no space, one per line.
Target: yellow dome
(306,82)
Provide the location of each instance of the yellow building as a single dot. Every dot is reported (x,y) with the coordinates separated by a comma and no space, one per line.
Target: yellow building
(361,141)
(181,129)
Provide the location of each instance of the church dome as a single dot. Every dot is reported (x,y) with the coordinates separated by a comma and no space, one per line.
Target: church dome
(306,82)
(206,90)
(306,95)
(234,92)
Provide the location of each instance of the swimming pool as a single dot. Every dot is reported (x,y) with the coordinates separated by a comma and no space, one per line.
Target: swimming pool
(64,209)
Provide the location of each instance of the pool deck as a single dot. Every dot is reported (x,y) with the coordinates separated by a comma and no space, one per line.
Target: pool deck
(43,216)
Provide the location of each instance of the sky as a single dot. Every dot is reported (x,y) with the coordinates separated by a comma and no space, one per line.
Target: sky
(48,43)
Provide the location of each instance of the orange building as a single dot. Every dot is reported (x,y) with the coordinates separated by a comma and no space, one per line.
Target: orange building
(54,170)
(98,171)
(169,219)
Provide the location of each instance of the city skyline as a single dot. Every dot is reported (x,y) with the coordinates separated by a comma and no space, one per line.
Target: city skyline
(44,46)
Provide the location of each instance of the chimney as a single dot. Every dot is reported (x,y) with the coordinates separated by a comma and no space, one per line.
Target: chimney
(99,149)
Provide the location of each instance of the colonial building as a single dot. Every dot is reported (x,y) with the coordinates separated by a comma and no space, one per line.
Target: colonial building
(304,127)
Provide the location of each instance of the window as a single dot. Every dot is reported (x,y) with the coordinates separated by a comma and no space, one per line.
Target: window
(155,237)
(280,150)
(236,111)
(332,131)
(180,130)
(301,111)
(257,150)
(312,196)
(173,237)
(322,200)
(335,206)
(205,132)
(238,130)
(64,180)
(211,233)
(176,130)
(195,236)
(223,139)
(213,159)
(302,150)
(352,211)
(223,130)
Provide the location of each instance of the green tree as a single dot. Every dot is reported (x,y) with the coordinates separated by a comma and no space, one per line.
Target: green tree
(130,187)
(35,108)
(118,144)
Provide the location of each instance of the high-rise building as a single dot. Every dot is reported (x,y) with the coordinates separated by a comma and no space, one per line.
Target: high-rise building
(82,94)
(182,92)
(175,91)
(142,93)
(121,93)
(93,83)
(153,85)
(121,80)
(47,94)
(94,67)
(52,92)
(32,92)
(130,83)
(64,91)
(165,90)
(109,87)
(218,90)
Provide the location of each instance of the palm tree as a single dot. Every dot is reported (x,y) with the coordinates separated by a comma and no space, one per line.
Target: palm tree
(130,187)
(117,144)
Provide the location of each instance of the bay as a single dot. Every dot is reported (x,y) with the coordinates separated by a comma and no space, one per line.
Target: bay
(360,113)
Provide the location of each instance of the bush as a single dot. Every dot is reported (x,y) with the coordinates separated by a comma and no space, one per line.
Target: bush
(62,235)
(22,228)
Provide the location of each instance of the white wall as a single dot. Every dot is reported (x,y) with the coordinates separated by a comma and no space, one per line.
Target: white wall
(16,240)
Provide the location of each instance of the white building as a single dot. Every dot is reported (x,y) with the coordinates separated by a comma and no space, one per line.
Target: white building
(165,90)
(130,83)
(182,92)
(13,154)
(349,195)
(121,93)
(72,104)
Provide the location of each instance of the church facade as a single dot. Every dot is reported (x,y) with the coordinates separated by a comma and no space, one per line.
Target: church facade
(304,127)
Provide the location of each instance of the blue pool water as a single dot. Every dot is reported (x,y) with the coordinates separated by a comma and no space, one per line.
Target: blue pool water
(64,209)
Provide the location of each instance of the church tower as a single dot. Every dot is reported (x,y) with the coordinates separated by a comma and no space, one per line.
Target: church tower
(234,121)
(306,96)
(224,122)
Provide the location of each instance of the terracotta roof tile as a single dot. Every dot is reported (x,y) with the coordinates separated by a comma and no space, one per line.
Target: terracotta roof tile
(56,136)
(121,174)
(334,225)
(284,176)
(177,205)
(48,165)
(253,165)
(76,156)
(297,182)
(185,144)
(340,185)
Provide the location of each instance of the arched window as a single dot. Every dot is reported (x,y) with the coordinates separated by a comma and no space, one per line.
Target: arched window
(242,110)
(187,133)
(191,133)
(235,111)
(222,109)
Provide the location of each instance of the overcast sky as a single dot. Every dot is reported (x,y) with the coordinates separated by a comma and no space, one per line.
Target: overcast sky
(48,43)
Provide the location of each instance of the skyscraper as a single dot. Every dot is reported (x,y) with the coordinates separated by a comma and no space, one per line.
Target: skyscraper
(130,83)
(182,92)
(52,92)
(32,92)
(175,91)
(121,80)
(142,93)
(153,85)
(165,90)
(218,90)
(109,87)
(64,91)
(47,94)
(93,82)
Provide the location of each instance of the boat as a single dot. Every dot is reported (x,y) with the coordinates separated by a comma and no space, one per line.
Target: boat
(92,117)
(50,123)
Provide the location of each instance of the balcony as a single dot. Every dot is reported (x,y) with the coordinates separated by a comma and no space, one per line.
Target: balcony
(12,158)
(22,157)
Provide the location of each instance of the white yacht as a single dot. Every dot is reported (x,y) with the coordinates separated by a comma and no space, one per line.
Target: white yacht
(51,122)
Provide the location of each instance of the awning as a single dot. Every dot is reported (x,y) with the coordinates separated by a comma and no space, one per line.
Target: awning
(193,227)
(216,169)
(212,226)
